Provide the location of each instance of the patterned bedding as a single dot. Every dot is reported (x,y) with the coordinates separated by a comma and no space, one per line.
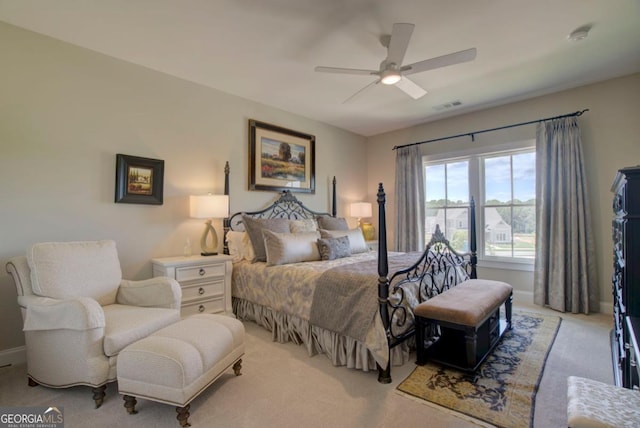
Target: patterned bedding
(289,289)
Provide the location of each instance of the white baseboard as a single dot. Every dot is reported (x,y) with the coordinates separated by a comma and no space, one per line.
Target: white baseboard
(526,297)
(13,356)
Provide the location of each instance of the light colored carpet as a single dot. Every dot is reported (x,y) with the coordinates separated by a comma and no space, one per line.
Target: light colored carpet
(282,387)
(502,391)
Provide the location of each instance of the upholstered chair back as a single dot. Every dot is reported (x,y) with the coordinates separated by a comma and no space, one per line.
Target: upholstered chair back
(63,270)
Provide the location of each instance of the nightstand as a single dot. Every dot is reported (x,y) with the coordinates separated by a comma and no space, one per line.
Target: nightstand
(372,245)
(205,282)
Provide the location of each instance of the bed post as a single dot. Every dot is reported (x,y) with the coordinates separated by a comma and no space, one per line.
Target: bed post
(472,238)
(334,207)
(226,220)
(384,374)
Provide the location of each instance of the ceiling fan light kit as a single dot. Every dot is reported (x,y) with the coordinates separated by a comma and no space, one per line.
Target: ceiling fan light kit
(390,77)
(392,72)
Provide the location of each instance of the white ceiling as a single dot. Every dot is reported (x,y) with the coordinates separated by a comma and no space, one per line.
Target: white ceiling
(266,50)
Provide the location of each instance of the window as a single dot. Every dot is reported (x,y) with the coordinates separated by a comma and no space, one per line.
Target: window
(509,205)
(447,201)
(502,184)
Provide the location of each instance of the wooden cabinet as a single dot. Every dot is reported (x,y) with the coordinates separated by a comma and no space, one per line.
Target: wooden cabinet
(205,282)
(626,273)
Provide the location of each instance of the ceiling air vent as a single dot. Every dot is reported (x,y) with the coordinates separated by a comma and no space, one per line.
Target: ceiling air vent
(446,106)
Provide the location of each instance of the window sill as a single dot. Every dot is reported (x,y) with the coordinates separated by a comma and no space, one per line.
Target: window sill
(493,264)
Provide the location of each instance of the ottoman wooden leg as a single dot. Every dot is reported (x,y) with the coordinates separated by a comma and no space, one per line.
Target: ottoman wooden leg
(471,346)
(130,404)
(183,415)
(98,395)
(32,382)
(237,367)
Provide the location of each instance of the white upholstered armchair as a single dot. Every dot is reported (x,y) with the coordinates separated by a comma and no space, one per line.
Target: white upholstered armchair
(79,313)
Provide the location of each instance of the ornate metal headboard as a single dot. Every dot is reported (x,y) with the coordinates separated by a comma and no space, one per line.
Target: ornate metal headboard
(286,206)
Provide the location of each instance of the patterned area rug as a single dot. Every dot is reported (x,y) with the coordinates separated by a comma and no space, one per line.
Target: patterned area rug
(504,392)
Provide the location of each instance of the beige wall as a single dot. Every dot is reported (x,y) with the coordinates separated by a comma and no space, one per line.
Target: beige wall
(611,140)
(64,114)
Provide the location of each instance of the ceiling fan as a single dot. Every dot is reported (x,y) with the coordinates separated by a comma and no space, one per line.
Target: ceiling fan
(392,72)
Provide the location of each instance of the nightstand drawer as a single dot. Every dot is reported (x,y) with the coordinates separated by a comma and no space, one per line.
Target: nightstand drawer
(198,272)
(205,282)
(203,291)
(209,307)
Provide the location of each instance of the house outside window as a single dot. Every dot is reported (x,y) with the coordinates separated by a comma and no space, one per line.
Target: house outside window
(502,183)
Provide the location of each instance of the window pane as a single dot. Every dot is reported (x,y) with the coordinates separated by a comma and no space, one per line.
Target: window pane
(497,231)
(524,177)
(497,180)
(434,185)
(524,232)
(458,183)
(457,229)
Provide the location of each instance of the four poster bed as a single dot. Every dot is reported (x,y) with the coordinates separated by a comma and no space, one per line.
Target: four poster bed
(348,305)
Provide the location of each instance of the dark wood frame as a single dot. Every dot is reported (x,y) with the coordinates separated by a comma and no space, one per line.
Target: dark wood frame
(123,194)
(283,135)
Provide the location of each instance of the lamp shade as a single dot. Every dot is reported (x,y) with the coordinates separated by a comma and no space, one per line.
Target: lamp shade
(361,209)
(209,206)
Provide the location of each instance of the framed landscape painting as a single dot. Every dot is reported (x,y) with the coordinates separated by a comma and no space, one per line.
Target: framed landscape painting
(139,180)
(280,159)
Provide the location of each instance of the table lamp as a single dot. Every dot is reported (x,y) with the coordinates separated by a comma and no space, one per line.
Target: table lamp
(363,210)
(209,207)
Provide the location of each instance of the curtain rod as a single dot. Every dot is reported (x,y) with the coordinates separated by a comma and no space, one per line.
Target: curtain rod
(472,134)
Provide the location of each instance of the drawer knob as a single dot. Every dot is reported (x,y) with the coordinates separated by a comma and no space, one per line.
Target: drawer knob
(201,308)
(200,290)
(201,272)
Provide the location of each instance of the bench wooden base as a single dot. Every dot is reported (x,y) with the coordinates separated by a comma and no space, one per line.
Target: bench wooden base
(464,347)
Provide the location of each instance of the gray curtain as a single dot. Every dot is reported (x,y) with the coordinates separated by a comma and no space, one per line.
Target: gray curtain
(409,200)
(565,275)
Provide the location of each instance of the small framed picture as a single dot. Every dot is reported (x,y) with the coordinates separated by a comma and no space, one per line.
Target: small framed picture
(281,159)
(139,180)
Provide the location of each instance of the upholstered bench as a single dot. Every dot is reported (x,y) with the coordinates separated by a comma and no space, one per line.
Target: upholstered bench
(592,404)
(175,364)
(468,316)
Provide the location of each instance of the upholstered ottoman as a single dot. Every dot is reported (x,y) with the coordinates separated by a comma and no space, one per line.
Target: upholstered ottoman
(468,316)
(593,404)
(175,364)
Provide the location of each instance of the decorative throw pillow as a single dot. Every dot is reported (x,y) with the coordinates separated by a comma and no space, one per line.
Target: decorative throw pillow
(332,223)
(334,248)
(234,243)
(303,225)
(247,248)
(284,248)
(255,226)
(356,238)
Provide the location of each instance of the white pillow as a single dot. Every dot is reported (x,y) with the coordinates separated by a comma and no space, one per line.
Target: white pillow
(62,270)
(247,248)
(284,248)
(234,243)
(356,238)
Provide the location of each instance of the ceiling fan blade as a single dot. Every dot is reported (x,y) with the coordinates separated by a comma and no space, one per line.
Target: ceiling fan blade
(440,61)
(346,70)
(411,88)
(400,36)
(360,91)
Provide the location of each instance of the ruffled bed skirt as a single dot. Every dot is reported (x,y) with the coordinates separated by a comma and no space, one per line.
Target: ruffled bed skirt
(341,350)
